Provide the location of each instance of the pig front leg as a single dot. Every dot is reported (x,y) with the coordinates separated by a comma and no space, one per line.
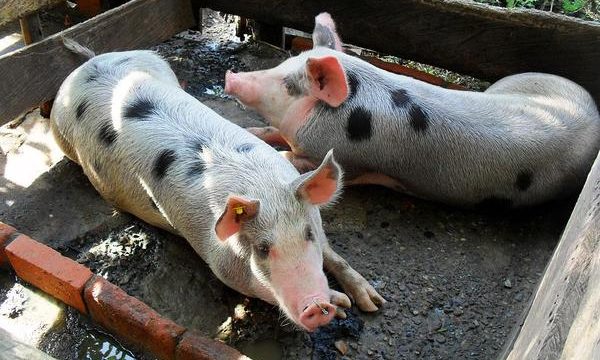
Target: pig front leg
(269,134)
(272,136)
(355,286)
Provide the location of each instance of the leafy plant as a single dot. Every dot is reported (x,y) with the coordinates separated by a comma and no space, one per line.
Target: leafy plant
(521,3)
(572,6)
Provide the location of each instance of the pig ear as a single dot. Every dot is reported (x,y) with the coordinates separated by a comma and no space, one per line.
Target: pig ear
(327,80)
(237,210)
(322,185)
(324,33)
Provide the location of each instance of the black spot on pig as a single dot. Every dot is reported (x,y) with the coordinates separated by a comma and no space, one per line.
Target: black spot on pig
(323,36)
(400,98)
(140,108)
(308,234)
(81,108)
(352,84)
(107,134)
(293,84)
(359,124)
(196,169)
(244,148)
(418,118)
(494,203)
(163,162)
(524,180)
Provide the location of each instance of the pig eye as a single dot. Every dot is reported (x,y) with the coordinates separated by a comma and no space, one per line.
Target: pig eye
(308,234)
(262,251)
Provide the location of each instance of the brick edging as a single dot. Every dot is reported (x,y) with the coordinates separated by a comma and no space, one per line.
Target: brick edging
(125,316)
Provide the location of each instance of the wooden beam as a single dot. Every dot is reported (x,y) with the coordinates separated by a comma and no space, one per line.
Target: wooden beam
(463,36)
(11,10)
(33,74)
(563,319)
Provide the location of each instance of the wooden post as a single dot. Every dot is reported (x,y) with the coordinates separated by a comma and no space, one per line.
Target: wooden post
(564,319)
(136,24)
(463,36)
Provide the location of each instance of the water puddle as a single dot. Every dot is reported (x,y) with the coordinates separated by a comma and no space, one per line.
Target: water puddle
(98,346)
(268,349)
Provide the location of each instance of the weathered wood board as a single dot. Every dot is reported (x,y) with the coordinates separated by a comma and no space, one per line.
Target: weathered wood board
(463,36)
(13,9)
(33,74)
(564,319)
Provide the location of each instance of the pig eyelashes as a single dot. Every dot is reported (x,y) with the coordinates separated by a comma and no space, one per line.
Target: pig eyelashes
(262,250)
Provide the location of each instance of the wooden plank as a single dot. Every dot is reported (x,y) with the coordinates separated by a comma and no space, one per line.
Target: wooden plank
(33,74)
(14,9)
(563,321)
(463,36)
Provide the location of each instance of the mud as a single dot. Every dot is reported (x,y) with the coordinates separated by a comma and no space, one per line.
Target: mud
(456,281)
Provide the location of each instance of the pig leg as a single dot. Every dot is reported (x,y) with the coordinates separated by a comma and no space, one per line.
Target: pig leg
(269,134)
(356,286)
(301,163)
(378,179)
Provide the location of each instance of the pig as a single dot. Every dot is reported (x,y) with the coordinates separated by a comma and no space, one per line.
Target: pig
(527,139)
(155,151)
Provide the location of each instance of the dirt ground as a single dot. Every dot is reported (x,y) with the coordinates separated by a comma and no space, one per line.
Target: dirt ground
(457,281)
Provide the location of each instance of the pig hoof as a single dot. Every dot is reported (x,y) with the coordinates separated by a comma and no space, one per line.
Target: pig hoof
(340,299)
(366,297)
(340,313)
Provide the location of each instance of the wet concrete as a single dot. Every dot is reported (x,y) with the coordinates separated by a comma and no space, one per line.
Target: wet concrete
(456,281)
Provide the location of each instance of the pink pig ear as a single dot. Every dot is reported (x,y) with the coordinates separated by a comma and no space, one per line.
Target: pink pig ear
(327,80)
(237,210)
(322,185)
(325,34)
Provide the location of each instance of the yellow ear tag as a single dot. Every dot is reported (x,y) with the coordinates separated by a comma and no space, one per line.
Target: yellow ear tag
(239,210)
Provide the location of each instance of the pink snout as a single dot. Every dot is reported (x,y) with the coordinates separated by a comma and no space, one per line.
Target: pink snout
(231,80)
(316,315)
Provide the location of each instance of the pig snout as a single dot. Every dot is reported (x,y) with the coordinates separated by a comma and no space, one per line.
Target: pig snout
(242,86)
(317,313)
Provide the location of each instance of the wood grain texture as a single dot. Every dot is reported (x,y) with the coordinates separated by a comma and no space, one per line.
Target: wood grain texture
(564,319)
(13,9)
(474,39)
(34,73)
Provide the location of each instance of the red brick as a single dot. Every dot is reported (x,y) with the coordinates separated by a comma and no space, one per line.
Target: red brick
(130,319)
(194,346)
(5,233)
(48,270)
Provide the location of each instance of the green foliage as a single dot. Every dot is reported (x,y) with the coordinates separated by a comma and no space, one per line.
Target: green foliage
(521,3)
(571,6)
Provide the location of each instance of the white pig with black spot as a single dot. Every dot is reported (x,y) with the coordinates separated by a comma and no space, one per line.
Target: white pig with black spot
(527,139)
(156,152)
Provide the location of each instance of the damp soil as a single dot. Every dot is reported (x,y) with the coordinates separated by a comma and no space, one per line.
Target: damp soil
(457,282)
